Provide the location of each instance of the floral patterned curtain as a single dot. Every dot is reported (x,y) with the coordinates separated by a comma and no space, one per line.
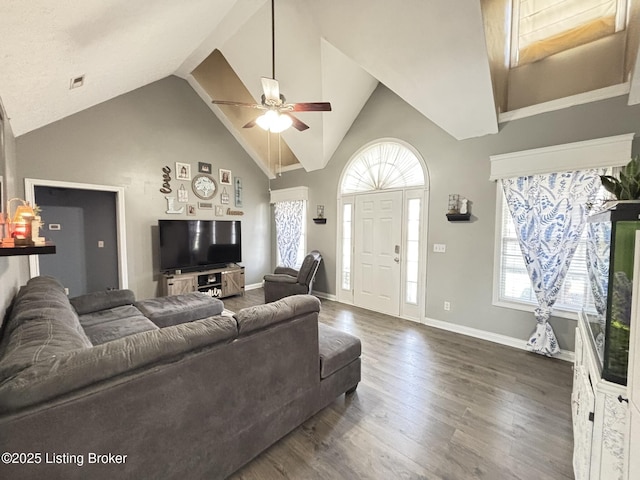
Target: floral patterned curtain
(289,217)
(549,212)
(598,251)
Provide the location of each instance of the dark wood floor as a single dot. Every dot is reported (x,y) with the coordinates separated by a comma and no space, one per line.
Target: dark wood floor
(432,404)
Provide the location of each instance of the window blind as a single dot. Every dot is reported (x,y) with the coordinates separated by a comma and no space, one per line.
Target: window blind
(514,284)
(546,27)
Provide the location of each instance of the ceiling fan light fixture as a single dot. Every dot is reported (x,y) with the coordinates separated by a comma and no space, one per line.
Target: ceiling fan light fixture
(274,122)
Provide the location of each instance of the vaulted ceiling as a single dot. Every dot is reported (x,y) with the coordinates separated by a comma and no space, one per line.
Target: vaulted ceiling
(432,54)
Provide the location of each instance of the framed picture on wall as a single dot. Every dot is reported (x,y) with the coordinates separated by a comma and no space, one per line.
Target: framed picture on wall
(204,167)
(225,177)
(224,197)
(183,194)
(219,211)
(183,171)
(205,205)
(191,209)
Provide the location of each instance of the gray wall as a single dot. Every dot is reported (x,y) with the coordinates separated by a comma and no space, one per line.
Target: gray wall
(11,268)
(126,142)
(463,275)
(85,217)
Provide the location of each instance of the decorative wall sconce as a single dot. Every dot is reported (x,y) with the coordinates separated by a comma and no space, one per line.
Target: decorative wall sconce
(320,215)
(458,208)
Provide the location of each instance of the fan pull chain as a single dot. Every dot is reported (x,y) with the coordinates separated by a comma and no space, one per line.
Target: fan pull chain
(269,157)
(279,156)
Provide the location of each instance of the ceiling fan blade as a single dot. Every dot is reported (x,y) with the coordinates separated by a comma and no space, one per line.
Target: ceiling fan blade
(235,104)
(250,124)
(312,107)
(271,89)
(297,123)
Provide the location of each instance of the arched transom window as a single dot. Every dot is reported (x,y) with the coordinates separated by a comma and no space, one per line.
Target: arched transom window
(383,165)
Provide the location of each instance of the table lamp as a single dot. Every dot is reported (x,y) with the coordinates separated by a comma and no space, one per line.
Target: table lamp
(19,226)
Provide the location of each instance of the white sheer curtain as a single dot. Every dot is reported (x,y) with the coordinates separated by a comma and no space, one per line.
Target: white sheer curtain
(289,216)
(549,212)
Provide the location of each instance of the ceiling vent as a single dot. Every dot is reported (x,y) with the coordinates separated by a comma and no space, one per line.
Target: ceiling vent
(76,82)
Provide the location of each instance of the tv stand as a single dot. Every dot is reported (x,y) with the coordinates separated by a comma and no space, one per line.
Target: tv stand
(217,282)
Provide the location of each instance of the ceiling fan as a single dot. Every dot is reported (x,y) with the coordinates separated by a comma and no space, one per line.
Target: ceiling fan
(277,115)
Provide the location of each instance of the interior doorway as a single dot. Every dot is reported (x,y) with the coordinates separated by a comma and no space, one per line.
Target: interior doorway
(86,223)
(382,218)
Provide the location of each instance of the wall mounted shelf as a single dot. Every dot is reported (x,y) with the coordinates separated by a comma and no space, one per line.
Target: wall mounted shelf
(8,251)
(458,217)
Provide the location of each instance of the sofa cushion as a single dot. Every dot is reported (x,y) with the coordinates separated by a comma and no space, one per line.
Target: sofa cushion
(114,323)
(337,349)
(262,316)
(175,309)
(41,324)
(62,374)
(96,301)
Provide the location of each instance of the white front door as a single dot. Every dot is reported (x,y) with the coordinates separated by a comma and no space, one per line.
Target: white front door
(378,243)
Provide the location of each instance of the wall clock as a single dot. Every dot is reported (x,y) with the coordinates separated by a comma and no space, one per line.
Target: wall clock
(204,186)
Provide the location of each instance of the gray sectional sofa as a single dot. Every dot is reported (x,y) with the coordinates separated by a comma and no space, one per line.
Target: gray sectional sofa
(106,387)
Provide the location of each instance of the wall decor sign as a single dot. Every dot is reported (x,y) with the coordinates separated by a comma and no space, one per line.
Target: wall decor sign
(204,167)
(204,186)
(191,209)
(234,212)
(205,205)
(171,206)
(219,211)
(166,178)
(237,194)
(183,171)
(225,177)
(183,195)
(224,197)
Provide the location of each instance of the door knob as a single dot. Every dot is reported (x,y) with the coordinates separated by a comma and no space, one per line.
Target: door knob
(397,260)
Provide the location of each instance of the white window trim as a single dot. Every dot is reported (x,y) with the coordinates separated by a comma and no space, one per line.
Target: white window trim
(290,194)
(598,153)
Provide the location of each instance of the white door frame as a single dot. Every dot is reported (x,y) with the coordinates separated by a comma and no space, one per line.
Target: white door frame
(30,195)
(345,297)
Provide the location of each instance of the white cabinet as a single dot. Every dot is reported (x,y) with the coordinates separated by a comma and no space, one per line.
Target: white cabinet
(600,418)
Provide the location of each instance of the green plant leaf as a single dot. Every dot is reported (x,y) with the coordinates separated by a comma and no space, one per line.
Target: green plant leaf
(612,185)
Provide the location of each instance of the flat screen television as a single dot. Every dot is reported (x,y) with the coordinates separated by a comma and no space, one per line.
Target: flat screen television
(191,245)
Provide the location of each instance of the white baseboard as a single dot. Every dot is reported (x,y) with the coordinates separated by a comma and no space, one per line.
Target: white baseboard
(252,286)
(566,355)
(325,296)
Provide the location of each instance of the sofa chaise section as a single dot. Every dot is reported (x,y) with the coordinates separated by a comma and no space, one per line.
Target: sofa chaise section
(194,400)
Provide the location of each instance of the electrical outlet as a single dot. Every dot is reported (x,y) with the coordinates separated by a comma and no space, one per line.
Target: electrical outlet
(439,247)
(100,244)
(447,306)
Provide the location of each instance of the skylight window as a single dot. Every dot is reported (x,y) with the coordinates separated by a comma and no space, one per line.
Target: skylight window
(544,27)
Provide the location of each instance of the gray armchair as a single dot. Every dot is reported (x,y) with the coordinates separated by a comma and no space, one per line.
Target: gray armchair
(286,281)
